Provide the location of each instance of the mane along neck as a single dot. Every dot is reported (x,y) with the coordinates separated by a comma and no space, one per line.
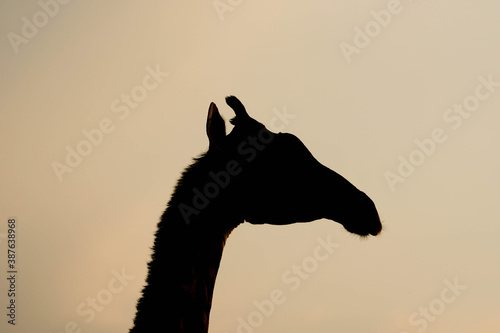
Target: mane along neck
(185,261)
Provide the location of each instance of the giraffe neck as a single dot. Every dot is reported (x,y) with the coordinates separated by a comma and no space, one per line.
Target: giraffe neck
(181,278)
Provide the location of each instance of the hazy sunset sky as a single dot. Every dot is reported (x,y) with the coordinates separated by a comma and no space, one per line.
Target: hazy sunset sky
(104,104)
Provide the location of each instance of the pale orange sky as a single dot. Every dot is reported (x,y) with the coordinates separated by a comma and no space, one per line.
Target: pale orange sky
(359,112)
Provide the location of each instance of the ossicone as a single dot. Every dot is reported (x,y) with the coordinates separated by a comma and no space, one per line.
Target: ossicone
(238,108)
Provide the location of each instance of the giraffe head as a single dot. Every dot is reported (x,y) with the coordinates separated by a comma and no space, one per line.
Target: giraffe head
(273,178)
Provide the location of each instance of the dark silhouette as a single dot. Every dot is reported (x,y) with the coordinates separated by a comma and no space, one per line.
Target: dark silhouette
(251,175)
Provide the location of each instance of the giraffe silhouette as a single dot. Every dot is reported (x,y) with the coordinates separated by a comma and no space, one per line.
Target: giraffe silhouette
(250,174)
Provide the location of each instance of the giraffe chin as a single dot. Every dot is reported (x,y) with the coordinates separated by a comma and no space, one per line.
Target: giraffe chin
(364,233)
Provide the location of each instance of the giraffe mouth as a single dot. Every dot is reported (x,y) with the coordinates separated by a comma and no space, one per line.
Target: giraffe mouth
(376,233)
(364,231)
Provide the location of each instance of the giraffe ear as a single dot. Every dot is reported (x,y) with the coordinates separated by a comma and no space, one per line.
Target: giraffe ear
(216,127)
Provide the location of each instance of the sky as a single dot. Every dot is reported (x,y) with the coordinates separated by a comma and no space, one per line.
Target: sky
(104,104)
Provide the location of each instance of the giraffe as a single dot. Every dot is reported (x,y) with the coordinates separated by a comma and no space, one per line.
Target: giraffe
(250,174)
